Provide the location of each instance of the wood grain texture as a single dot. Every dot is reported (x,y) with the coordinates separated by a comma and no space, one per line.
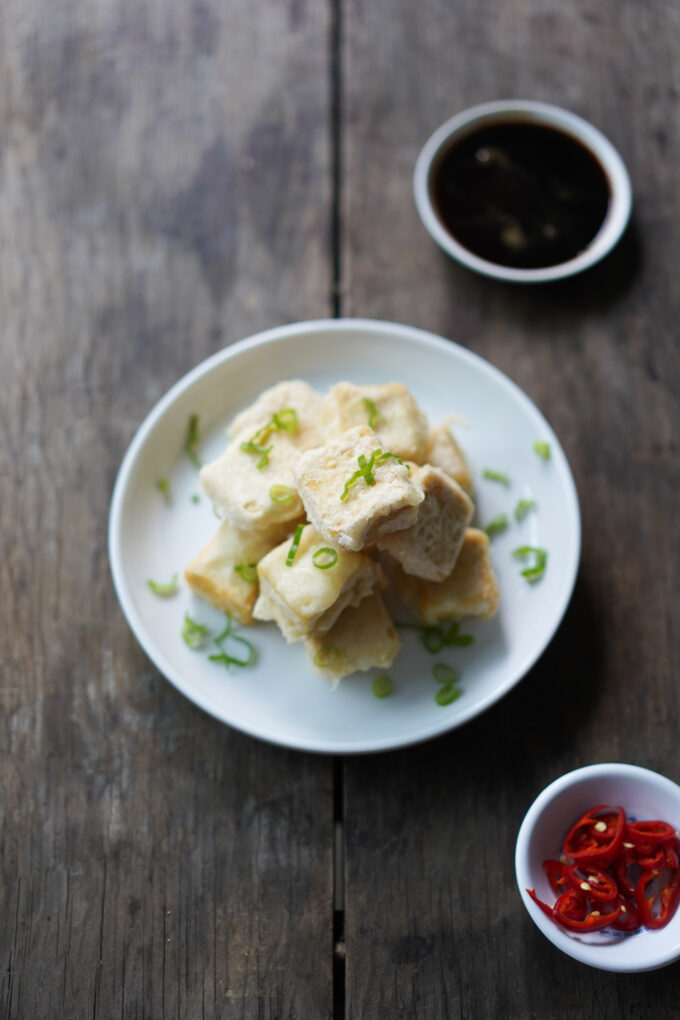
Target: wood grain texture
(164,190)
(434,923)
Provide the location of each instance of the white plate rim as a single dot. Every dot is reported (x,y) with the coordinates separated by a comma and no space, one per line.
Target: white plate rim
(275,335)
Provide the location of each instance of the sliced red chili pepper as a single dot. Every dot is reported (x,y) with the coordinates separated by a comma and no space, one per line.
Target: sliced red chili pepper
(555,873)
(649,832)
(629,918)
(597,836)
(667,898)
(627,873)
(539,903)
(593,881)
(574,915)
(656,860)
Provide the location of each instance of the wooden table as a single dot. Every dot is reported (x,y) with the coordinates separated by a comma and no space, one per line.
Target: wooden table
(178,174)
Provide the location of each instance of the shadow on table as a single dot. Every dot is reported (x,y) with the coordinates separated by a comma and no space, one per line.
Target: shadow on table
(596,289)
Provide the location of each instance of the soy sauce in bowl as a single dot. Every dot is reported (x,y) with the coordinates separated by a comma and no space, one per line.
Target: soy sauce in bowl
(519,194)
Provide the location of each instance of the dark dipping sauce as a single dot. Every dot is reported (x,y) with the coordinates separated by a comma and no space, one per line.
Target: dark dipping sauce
(519,194)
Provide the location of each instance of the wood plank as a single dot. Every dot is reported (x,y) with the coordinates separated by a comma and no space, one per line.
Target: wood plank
(164,190)
(434,923)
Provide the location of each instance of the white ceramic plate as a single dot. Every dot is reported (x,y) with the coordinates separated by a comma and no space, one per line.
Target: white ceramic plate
(281,699)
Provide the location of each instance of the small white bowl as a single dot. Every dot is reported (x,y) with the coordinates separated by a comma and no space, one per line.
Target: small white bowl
(528,112)
(643,795)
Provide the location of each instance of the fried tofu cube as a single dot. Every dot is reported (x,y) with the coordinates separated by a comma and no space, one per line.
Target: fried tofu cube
(361,638)
(430,547)
(444,452)
(307,595)
(356,514)
(212,573)
(250,496)
(390,410)
(471,590)
(293,393)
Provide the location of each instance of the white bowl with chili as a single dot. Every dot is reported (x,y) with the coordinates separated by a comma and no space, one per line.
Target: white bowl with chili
(598,866)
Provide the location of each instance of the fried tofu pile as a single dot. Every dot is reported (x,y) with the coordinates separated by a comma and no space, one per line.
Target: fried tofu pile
(314,494)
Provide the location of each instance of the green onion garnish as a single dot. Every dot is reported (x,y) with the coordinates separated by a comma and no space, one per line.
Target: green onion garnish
(325,558)
(163,486)
(523,508)
(164,590)
(433,639)
(191,441)
(262,451)
(247,571)
(366,469)
(382,687)
(294,545)
(453,639)
(194,634)
(287,420)
(446,694)
(230,660)
(497,525)
(535,572)
(374,416)
(542,449)
(444,674)
(281,494)
(495,476)
(195,498)
(223,656)
(326,655)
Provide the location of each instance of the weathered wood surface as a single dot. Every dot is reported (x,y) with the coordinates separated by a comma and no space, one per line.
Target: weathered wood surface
(167,186)
(164,190)
(434,924)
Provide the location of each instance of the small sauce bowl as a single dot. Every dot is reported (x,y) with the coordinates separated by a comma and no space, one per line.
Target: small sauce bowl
(644,795)
(540,115)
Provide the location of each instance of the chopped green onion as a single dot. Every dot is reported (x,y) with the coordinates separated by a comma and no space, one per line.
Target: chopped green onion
(382,687)
(446,694)
(281,494)
(194,634)
(191,441)
(263,451)
(542,449)
(227,630)
(366,469)
(374,416)
(325,558)
(286,420)
(163,486)
(444,674)
(535,572)
(497,525)
(523,508)
(452,638)
(195,498)
(325,656)
(495,476)
(230,660)
(433,639)
(294,545)
(164,590)
(247,571)
(223,656)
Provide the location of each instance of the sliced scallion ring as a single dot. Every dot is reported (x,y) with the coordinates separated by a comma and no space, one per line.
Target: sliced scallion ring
(191,441)
(247,572)
(523,508)
(325,656)
(536,571)
(495,476)
(382,687)
(324,558)
(444,673)
(294,545)
(287,419)
(498,524)
(281,493)
(164,590)
(375,418)
(542,449)
(433,639)
(194,634)
(446,694)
